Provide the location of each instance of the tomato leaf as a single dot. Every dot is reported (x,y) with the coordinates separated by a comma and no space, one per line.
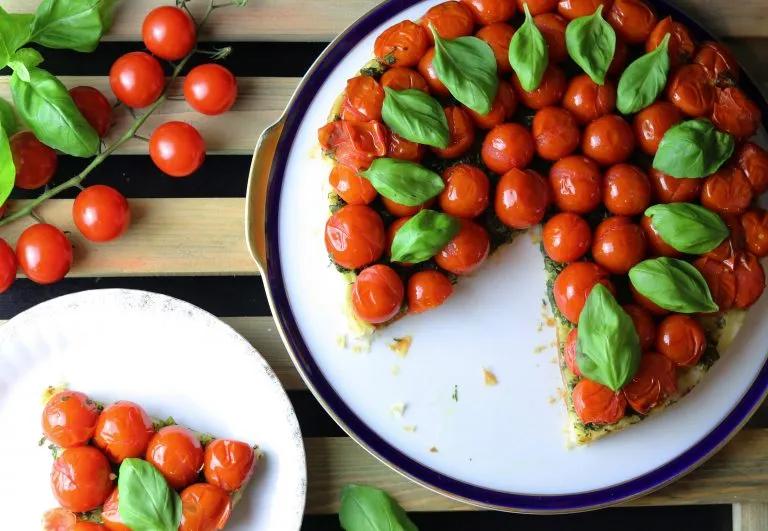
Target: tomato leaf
(416,116)
(673,284)
(7,167)
(14,33)
(72,24)
(47,108)
(687,227)
(8,119)
(608,348)
(423,236)
(528,53)
(22,60)
(365,508)
(591,43)
(404,182)
(693,149)
(643,80)
(146,501)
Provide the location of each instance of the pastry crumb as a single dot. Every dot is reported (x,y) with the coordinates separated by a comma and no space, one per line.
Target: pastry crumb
(433,450)
(489,378)
(409,428)
(552,400)
(361,347)
(455,394)
(341,341)
(539,349)
(398,409)
(401,345)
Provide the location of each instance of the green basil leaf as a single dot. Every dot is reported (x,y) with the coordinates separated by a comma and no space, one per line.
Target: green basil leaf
(7,167)
(14,33)
(416,116)
(107,13)
(365,508)
(528,53)
(8,119)
(146,501)
(608,348)
(23,59)
(467,67)
(693,149)
(47,108)
(423,236)
(591,43)
(403,182)
(71,24)
(687,227)
(673,284)
(643,80)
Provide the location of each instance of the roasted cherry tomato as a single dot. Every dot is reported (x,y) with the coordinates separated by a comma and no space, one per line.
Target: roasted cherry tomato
(44,253)
(402,44)
(753,161)
(727,191)
(537,6)
(719,62)
(34,161)
(681,339)
(573,285)
(645,326)
(651,123)
(124,430)
(89,526)
(69,419)
(522,198)
(576,184)
(428,72)
(668,189)
(647,303)
(597,404)
(400,148)
(691,90)
(137,79)
(377,294)
(351,187)
(587,100)
(401,78)
(204,507)
(552,27)
(110,514)
(59,519)
(735,113)
(570,351)
(490,11)
(555,132)
(466,251)
(498,36)
(354,144)
(229,464)
(396,209)
(177,149)
(81,478)
(755,225)
(549,92)
(211,89)
(507,146)
(466,192)
(626,190)
(654,381)
(619,61)
(633,20)
(94,107)
(177,454)
(608,140)
(681,43)
(427,290)
(354,236)
(656,245)
(462,133)
(572,9)
(392,231)
(363,99)
(566,237)
(8,266)
(735,278)
(169,32)
(450,19)
(101,213)
(618,244)
(504,106)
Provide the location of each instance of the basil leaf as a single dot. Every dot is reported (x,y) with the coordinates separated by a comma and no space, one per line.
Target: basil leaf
(467,67)
(608,347)
(643,80)
(528,53)
(416,116)
(673,284)
(687,227)
(71,24)
(14,33)
(591,43)
(403,182)
(365,508)
(47,108)
(7,167)
(8,119)
(23,59)
(423,236)
(693,149)
(146,502)
(107,13)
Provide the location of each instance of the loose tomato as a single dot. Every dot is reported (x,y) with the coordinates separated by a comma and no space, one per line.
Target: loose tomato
(572,9)
(645,326)
(522,198)
(211,89)
(34,161)
(377,294)
(573,285)
(608,140)
(402,44)
(94,107)
(656,245)
(691,90)
(626,190)
(735,113)
(44,253)
(169,33)
(351,187)
(81,479)
(549,92)
(59,519)
(69,419)
(587,100)
(755,224)
(537,6)
(124,430)
(498,36)
(504,106)
(204,507)
(137,79)
(618,244)
(428,72)
(450,19)
(101,213)
(462,133)
(466,251)
(400,148)
(576,184)
(363,99)
(654,381)
(753,161)
(401,78)
(466,192)
(735,278)
(566,237)
(177,454)
(427,290)
(354,144)
(8,266)
(507,146)
(633,20)
(668,189)
(681,43)
(555,132)
(597,404)
(229,464)
(354,236)
(552,27)
(177,149)
(570,351)
(727,191)
(490,11)
(681,339)
(719,62)
(651,123)
(110,513)
(647,303)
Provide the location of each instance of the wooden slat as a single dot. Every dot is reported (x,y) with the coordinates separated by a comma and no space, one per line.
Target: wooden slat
(750,516)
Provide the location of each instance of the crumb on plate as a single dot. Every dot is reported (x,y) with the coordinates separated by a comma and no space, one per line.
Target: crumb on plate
(401,345)
(489,378)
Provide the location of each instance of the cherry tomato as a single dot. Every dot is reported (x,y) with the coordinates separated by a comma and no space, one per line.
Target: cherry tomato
(507,146)
(522,198)
(552,27)
(354,236)
(137,79)
(363,99)
(204,507)
(681,339)
(89,526)
(569,351)
(396,209)
(618,244)
(576,184)
(401,78)
(691,90)
(402,44)
(668,189)
(753,161)
(177,149)
(656,245)
(462,133)
(229,464)
(101,213)
(608,140)
(597,404)
(450,19)
(727,191)
(392,230)
(110,514)
(354,144)
(572,9)
(124,430)
(34,161)
(587,100)
(719,62)
(681,43)
(633,20)
(735,278)
(654,381)
(573,285)
(644,325)
(626,190)
(427,290)
(351,187)
(211,89)
(69,419)
(377,295)
(651,123)
(566,237)
(735,113)
(59,519)
(537,6)
(555,132)
(44,253)
(169,33)
(466,192)
(498,36)
(647,303)
(8,266)
(94,107)
(490,11)
(504,106)
(549,92)
(400,148)
(755,224)
(177,454)
(619,61)
(428,72)
(81,479)
(466,251)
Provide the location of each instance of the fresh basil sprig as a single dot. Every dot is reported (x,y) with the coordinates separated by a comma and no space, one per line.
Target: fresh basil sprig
(528,53)
(7,167)
(365,508)
(146,501)
(416,116)
(693,149)
(423,236)
(591,43)
(644,79)
(22,60)
(673,284)
(72,24)
(687,227)
(608,348)
(467,67)
(8,120)
(14,33)
(403,182)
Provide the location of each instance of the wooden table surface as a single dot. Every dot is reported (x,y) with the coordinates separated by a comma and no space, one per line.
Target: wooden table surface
(187,241)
